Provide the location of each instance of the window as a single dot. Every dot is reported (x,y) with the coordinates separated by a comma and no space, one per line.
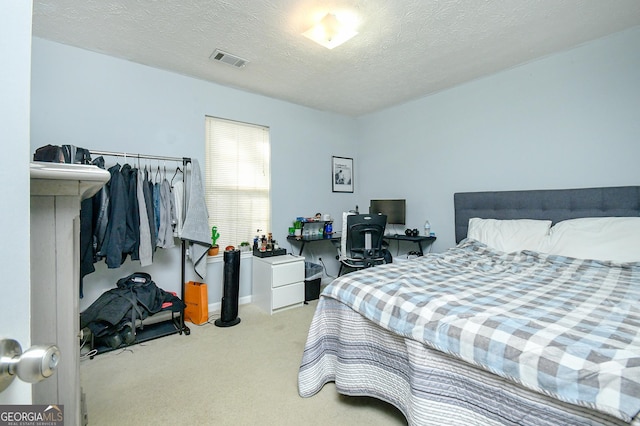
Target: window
(237,179)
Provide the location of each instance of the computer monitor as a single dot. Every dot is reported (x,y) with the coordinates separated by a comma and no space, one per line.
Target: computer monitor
(393,209)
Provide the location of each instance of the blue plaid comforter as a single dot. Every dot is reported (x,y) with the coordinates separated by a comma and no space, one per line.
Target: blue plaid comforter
(569,328)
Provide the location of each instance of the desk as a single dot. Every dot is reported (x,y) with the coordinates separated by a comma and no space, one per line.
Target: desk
(420,239)
(303,240)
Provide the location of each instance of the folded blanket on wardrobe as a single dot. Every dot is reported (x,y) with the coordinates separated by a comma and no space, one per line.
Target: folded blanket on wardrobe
(196,223)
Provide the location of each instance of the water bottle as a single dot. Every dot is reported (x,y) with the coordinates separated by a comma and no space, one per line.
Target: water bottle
(328,229)
(427,228)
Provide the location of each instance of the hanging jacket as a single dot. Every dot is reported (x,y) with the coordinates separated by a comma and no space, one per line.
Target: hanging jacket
(100,214)
(115,238)
(92,226)
(86,241)
(132,218)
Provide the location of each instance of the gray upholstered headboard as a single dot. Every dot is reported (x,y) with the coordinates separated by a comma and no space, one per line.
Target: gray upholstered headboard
(553,204)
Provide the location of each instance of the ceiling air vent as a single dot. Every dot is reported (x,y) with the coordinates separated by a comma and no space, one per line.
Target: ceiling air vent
(228,58)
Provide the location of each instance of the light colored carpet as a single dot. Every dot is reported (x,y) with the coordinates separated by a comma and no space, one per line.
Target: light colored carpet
(240,375)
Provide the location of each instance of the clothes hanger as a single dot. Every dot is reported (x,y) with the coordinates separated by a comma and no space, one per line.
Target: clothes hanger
(176,174)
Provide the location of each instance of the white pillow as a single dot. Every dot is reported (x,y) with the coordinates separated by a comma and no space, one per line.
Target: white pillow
(600,238)
(510,235)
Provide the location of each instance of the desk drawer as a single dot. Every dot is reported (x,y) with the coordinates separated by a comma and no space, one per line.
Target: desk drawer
(288,295)
(287,273)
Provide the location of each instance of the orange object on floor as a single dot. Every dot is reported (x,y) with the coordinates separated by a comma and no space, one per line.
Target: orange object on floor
(196,299)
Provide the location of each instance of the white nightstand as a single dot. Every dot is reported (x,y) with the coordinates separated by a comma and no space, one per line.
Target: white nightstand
(278,282)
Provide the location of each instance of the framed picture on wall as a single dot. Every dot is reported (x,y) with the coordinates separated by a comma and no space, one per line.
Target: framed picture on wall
(342,174)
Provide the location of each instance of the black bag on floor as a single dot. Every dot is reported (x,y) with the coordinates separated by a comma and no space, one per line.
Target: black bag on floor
(116,311)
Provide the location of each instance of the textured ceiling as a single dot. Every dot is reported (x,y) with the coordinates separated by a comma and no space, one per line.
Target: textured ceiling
(405,49)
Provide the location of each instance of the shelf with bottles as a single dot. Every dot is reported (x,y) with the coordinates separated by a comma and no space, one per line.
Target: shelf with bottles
(265,245)
(311,229)
(317,229)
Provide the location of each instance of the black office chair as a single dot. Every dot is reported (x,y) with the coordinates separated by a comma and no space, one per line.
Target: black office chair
(362,241)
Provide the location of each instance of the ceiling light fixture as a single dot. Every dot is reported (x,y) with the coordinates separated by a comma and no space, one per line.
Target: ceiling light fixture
(330,32)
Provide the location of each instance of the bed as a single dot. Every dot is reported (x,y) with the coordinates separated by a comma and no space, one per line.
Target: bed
(491,334)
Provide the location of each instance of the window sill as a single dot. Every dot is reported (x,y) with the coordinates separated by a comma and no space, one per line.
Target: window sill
(219,258)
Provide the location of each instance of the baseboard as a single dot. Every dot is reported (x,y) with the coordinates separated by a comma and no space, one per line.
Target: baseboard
(216,307)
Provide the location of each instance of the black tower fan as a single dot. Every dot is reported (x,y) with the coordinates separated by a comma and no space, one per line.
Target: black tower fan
(229,312)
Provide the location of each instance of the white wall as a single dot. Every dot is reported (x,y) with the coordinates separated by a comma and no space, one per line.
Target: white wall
(566,121)
(103,103)
(15,308)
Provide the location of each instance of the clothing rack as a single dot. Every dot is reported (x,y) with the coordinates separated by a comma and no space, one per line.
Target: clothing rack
(185,161)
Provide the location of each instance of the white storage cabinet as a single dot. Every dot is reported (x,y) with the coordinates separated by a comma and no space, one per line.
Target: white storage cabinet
(56,192)
(278,282)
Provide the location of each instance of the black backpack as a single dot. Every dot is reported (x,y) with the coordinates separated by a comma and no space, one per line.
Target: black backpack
(62,154)
(49,153)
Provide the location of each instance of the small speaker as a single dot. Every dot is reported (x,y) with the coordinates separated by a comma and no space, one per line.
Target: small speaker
(411,232)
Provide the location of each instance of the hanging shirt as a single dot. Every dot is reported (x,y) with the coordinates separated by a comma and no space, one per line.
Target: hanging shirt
(165,233)
(145,249)
(148,199)
(156,206)
(178,196)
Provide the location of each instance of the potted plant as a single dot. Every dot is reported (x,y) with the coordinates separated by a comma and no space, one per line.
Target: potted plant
(244,246)
(213,251)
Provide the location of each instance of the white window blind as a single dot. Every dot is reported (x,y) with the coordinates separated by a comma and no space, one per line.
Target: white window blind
(237,179)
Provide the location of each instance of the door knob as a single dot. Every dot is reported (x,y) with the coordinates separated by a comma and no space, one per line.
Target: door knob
(35,364)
